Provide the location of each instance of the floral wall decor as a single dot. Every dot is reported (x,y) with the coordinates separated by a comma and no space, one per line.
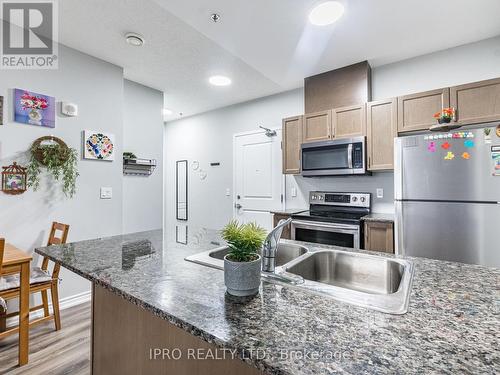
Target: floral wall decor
(98,145)
(35,109)
(14,179)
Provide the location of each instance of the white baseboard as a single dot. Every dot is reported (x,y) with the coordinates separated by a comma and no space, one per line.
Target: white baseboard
(64,303)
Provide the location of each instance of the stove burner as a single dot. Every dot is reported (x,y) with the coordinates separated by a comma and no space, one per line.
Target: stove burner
(346,208)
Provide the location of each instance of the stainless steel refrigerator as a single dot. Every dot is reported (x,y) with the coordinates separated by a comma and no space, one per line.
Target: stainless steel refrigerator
(447,196)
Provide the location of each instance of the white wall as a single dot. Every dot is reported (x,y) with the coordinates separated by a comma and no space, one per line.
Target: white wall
(130,111)
(208,137)
(455,66)
(143,135)
(97,88)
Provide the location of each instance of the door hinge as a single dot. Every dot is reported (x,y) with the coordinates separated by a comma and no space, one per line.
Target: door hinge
(281,198)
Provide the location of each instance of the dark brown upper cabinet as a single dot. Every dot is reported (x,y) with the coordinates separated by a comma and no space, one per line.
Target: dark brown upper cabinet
(476,102)
(292,139)
(317,126)
(416,111)
(381,119)
(349,121)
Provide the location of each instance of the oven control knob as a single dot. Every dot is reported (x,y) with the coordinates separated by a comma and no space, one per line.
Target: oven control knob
(363,199)
(313,197)
(320,197)
(354,199)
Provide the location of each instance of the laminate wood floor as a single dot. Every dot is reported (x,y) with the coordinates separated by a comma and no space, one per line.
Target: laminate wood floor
(64,352)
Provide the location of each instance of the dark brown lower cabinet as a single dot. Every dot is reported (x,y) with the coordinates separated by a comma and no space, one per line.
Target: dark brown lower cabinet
(287,231)
(379,236)
(127,339)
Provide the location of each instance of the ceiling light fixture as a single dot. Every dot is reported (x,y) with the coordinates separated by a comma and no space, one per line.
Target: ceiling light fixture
(219,81)
(134,39)
(326,13)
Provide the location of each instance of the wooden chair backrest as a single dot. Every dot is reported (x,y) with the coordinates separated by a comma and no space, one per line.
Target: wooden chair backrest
(53,239)
(2,249)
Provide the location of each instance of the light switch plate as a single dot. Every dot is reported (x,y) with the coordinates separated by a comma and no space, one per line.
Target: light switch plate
(106,192)
(293,192)
(228,192)
(380,193)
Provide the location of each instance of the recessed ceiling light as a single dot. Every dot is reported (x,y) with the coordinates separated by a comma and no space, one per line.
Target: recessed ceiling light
(219,81)
(134,39)
(326,13)
(167,112)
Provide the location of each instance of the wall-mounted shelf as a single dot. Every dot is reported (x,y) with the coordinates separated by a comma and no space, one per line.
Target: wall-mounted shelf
(138,167)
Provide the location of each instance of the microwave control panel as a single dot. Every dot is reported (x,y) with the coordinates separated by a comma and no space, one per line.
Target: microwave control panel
(357,155)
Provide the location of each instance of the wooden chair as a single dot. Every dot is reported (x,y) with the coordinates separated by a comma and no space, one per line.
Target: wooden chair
(40,281)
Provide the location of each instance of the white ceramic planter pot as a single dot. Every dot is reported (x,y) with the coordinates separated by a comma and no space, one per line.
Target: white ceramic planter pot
(242,278)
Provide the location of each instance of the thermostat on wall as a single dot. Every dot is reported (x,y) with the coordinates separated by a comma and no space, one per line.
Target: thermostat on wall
(69,109)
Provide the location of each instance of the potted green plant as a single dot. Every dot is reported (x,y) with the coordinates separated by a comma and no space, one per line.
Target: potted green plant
(59,160)
(242,264)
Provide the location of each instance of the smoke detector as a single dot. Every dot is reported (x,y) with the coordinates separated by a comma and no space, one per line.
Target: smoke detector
(215,17)
(134,39)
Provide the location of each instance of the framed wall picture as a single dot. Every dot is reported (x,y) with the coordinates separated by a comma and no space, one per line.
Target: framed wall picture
(34,109)
(14,179)
(98,145)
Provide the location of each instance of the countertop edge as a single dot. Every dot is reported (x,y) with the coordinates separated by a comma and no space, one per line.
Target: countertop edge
(188,327)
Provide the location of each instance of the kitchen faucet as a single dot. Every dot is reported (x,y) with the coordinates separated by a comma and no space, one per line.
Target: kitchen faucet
(270,246)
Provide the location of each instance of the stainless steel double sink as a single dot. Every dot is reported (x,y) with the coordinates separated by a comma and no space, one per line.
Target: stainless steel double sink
(372,281)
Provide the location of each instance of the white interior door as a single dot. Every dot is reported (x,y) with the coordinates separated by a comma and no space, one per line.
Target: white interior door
(258,181)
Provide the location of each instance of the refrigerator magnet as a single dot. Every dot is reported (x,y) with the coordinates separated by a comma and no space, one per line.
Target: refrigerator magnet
(469,143)
(449,156)
(446,145)
(487,135)
(495,156)
(431,147)
(466,156)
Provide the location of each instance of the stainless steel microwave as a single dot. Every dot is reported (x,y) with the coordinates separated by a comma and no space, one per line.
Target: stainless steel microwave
(337,157)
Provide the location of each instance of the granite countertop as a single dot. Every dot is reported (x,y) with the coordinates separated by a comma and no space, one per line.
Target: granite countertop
(289,211)
(379,217)
(451,326)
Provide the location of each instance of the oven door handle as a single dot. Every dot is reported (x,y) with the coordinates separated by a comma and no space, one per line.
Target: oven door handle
(330,227)
(349,155)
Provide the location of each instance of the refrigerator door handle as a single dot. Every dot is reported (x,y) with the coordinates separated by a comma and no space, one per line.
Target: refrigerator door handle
(398,230)
(398,172)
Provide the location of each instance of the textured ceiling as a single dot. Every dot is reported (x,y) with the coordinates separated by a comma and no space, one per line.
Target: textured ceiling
(264,46)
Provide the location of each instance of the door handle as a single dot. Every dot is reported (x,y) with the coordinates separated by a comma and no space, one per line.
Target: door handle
(238,206)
